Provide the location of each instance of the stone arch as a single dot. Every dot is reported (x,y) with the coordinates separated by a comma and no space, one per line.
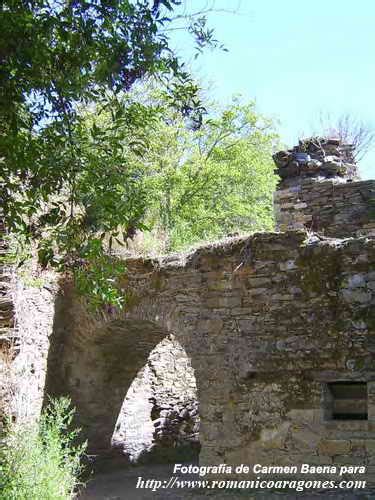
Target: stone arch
(95,358)
(100,377)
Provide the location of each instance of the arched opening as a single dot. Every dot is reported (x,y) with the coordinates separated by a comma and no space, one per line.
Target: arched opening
(133,359)
(159,418)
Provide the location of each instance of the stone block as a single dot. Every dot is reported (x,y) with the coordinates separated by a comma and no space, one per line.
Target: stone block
(370,446)
(224,301)
(306,416)
(304,438)
(209,325)
(349,460)
(334,447)
(274,438)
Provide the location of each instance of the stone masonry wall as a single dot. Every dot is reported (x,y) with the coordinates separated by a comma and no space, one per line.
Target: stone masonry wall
(7,348)
(263,325)
(316,158)
(316,190)
(26,321)
(330,208)
(34,316)
(267,321)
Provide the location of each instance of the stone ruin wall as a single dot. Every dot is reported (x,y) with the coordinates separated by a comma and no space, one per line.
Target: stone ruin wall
(316,158)
(24,348)
(6,325)
(26,323)
(320,190)
(150,409)
(267,322)
(34,312)
(264,339)
(329,208)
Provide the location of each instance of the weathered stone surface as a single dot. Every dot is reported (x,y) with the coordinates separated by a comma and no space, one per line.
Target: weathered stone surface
(349,213)
(316,157)
(317,190)
(260,368)
(7,337)
(159,415)
(332,448)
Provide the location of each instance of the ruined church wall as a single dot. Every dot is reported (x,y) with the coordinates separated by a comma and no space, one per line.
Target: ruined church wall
(24,349)
(34,312)
(276,319)
(266,322)
(304,318)
(130,380)
(26,323)
(263,324)
(6,326)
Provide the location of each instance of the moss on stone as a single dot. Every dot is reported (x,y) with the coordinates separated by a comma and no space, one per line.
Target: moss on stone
(321,267)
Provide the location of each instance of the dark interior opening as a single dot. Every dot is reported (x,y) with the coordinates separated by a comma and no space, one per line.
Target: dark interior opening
(347,400)
(349,416)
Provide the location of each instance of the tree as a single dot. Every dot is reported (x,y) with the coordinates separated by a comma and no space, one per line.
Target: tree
(214,181)
(56,58)
(196,184)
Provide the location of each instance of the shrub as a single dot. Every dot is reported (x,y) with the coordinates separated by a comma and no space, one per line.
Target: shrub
(41,461)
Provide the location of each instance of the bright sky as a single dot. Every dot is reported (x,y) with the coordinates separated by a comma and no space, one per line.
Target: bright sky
(296,58)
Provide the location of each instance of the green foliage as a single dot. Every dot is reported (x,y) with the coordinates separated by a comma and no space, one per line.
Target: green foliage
(208,183)
(190,184)
(99,278)
(85,163)
(58,58)
(42,461)
(16,252)
(56,53)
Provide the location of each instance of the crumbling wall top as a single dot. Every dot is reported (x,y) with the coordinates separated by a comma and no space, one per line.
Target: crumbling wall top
(316,157)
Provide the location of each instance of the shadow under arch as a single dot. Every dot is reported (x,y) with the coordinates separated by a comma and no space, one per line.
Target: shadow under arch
(97,372)
(94,358)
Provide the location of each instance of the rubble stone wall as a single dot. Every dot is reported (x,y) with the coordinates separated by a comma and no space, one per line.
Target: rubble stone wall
(7,350)
(26,322)
(318,158)
(330,208)
(267,321)
(24,348)
(159,418)
(34,308)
